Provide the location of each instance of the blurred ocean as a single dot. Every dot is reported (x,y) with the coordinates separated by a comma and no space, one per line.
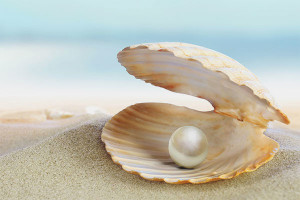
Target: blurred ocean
(90,67)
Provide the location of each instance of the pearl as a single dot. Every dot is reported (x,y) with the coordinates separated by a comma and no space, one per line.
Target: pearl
(188,146)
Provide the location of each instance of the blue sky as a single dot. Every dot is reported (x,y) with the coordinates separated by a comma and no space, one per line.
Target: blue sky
(65,18)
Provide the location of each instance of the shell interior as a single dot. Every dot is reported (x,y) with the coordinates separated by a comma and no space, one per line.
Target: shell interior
(137,138)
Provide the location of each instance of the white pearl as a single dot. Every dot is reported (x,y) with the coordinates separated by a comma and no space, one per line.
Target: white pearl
(188,146)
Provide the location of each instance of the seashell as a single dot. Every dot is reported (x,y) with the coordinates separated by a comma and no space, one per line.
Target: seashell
(185,68)
(137,137)
(54,114)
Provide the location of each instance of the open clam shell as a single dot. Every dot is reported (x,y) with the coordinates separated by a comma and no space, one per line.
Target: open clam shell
(137,138)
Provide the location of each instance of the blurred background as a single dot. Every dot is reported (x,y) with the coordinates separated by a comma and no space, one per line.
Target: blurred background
(66,49)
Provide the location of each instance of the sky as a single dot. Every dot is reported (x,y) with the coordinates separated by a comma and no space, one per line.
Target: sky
(96,18)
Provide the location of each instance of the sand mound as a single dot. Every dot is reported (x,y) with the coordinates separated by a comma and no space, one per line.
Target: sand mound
(75,165)
(25,129)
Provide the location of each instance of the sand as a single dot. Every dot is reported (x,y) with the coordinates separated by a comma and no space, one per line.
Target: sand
(70,162)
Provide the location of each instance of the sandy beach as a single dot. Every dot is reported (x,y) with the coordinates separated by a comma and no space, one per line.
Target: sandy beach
(44,158)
